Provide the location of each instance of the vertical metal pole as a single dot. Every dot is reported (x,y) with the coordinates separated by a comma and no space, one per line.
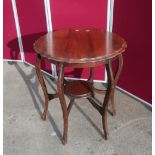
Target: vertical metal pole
(18,30)
(110,8)
(49,29)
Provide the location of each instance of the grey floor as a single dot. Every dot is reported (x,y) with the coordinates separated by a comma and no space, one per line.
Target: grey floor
(26,134)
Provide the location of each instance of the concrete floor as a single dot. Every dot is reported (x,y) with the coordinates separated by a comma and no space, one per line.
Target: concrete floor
(26,134)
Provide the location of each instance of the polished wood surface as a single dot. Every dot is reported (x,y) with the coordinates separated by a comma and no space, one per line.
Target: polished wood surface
(78,88)
(80,46)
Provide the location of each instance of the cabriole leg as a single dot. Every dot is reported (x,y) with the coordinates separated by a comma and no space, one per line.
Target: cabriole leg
(106,99)
(60,88)
(115,80)
(43,85)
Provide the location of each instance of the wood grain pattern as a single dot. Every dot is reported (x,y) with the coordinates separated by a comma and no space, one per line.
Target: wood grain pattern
(80,46)
(78,88)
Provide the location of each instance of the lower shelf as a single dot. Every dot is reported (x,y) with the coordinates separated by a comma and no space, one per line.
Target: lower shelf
(78,88)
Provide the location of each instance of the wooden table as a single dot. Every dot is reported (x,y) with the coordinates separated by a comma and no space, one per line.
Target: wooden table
(79,49)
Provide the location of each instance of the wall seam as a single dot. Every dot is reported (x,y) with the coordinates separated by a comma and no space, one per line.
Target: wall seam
(110,7)
(103,81)
(134,96)
(49,29)
(18,30)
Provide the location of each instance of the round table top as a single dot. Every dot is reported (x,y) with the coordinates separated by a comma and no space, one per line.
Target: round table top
(80,45)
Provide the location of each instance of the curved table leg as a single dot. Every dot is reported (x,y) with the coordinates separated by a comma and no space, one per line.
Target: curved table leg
(115,79)
(113,103)
(107,98)
(43,85)
(91,76)
(60,88)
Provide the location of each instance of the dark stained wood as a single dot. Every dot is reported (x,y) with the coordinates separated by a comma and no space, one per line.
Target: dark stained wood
(80,48)
(115,77)
(78,88)
(106,99)
(60,87)
(43,85)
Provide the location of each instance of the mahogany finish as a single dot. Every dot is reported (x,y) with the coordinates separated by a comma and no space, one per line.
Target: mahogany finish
(78,88)
(81,48)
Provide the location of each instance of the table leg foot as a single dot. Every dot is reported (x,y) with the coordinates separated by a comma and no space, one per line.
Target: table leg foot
(44,116)
(115,80)
(43,85)
(105,127)
(60,87)
(106,136)
(106,99)
(64,140)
